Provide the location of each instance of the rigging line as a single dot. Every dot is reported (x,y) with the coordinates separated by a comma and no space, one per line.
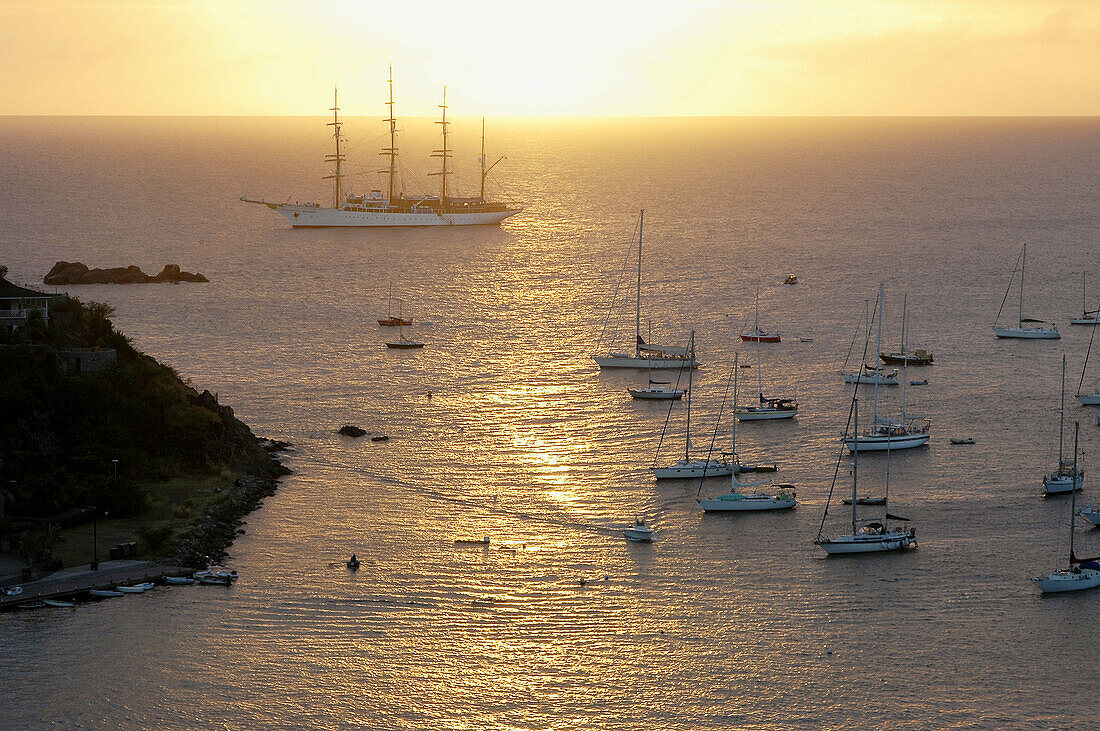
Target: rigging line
(856,333)
(615,295)
(1086,364)
(668,415)
(714,436)
(1011,279)
(851,410)
(836,470)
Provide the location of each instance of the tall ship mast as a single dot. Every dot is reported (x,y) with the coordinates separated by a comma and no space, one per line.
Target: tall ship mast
(392,207)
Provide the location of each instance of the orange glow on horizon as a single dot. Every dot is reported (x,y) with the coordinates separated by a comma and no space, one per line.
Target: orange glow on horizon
(572,58)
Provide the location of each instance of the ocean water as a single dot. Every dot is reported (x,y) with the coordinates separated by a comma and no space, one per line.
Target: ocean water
(725,621)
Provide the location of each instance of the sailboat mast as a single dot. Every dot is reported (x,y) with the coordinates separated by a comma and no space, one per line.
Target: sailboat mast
(878,349)
(905,362)
(483,159)
(1062,413)
(392,150)
(733,431)
(444,154)
(1073,494)
(855,468)
(1023,266)
(759,375)
(687,438)
(638,309)
(337,158)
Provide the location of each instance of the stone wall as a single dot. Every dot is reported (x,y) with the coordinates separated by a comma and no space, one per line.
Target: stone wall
(87,360)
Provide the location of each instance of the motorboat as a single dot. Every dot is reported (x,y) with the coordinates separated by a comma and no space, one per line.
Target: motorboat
(962,440)
(352,563)
(639,532)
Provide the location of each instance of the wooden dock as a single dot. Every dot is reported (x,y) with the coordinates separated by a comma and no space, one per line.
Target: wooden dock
(70,583)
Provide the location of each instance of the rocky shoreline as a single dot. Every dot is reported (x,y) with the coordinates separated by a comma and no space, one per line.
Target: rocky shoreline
(64,272)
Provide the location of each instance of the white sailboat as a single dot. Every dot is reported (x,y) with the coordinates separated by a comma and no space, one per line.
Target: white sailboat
(867,374)
(1082,573)
(872,536)
(1065,477)
(657,390)
(1088,399)
(395,208)
(693,466)
(1026,326)
(735,500)
(1088,317)
(767,408)
(887,434)
(646,355)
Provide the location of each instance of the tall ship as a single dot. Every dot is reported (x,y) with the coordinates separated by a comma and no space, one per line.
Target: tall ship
(392,207)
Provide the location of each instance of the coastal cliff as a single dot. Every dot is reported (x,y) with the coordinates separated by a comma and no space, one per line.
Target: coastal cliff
(157,463)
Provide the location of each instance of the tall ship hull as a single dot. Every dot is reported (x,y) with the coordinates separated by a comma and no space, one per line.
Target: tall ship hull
(310,216)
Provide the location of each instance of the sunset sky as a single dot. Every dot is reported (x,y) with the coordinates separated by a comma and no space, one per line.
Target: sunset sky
(561,58)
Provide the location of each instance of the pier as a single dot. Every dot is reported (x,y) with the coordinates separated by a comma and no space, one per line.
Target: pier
(69,583)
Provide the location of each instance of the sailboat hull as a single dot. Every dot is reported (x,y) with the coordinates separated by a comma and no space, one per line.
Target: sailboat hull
(312,216)
(627,361)
(1027,333)
(695,468)
(1092,515)
(655,394)
(736,502)
(867,543)
(1066,580)
(765,414)
(1090,399)
(882,443)
(1085,320)
(871,380)
(1063,484)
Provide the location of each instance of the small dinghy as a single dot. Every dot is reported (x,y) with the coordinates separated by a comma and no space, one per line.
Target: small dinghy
(791,279)
(31,605)
(136,588)
(212,580)
(352,563)
(639,532)
(472,541)
(866,500)
(747,468)
(104,593)
(961,440)
(381,438)
(178,580)
(921,382)
(58,603)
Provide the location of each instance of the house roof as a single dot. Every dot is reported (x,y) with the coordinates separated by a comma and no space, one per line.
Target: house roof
(14,291)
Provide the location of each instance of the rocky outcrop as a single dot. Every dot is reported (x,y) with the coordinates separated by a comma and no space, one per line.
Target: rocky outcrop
(350,430)
(64,272)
